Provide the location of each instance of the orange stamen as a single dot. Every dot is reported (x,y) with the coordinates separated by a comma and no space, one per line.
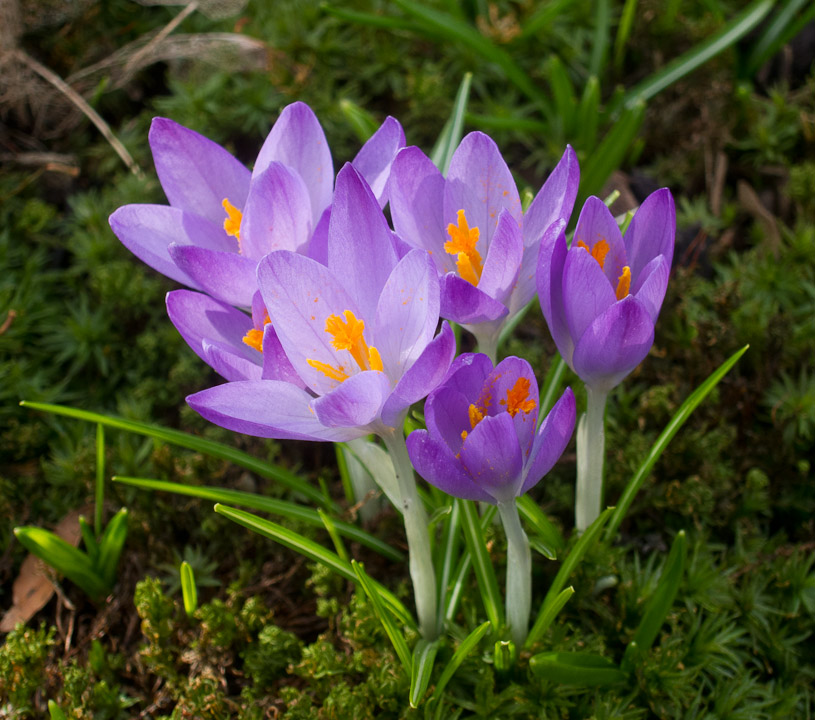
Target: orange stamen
(518,398)
(335,373)
(598,252)
(624,283)
(347,335)
(462,244)
(232,224)
(254,337)
(476,415)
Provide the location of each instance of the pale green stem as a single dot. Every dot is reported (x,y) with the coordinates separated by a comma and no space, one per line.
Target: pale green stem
(418,536)
(591,442)
(489,346)
(519,572)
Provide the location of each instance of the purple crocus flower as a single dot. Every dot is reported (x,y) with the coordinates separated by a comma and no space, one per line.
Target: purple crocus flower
(222,219)
(484,247)
(602,296)
(482,440)
(353,340)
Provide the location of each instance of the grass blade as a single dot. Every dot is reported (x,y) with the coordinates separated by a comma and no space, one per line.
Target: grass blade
(192,442)
(462,651)
(396,637)
(385,22)
(564,95)
(463,568)
(623,32)
(588,116)
(312,550)
(331,528)
(110,546)
(660,602)
(424,658)
(546,14)
(576,668)
(551,386)
(484,571)
(453,129)
(285,508)
(361,121)
(550,612)
(448,550)
(189,593)
(775,36)
(99,500)
(602,30)
(581,547)
(699,55)
(88,540)
(64,558)
(543,527)
(676,422)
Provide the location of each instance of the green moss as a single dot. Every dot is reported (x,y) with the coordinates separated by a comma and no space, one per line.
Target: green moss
(23,659)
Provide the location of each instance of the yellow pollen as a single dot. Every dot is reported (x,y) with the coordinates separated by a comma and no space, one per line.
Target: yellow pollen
(254,337)
(624,283)
(232,224)
(476,415)
(464,434)
(598,252)
(518,398)
(347,335)
(335,373)
(462,244)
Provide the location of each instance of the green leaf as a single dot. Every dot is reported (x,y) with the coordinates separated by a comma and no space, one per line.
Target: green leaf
(362,122)
(64,558)
(385,22)
(396,637)
(312,550)
(462,651)
(192,442)
(576,668)
(331,528)
(189,593)
(660,602)
(546,14)
(99,501)
(775,35)
(463,567)
(581,547)
(88,540)
(588,116)
(602,30)
(482,564)
(447,552)
(545,531)
(551,610)
(424,658)
(551,386)
(624,31)
(458,32)
(507,122)
(563,93)
(453,129)
(676,422)
(110,547)
(700,54)
(55,712)
(285,508)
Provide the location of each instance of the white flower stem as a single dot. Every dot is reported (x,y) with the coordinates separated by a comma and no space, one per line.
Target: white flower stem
(418,536)
(591,443)
(519,572)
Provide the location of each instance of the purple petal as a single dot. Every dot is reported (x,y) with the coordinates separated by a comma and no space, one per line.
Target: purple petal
(374,160)
(652,231)
(550,442)
(596,223)
(318,247)
(436,464)
(554,200)
(359,240)
(298,140)
(586,291)
(497,386)
(549,279)
(226,276)
(199,317)
(278,213)
(196,173)
(651,285)
(480,183)
(468,373)
(276,364)
(147,231)
(300,294)
(416,189)
(492,457)
(423,376)
(464,303)
(524,289)
(266,408)
(446,414)
(503,260)
(230,364)
(407,312)
(355,402)
(614,344)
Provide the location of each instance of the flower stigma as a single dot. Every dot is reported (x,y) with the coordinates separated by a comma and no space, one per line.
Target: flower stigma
(598,251)
(463,240)
(232,224)
(347,335)
(624,283)
(518,398)
(254,337)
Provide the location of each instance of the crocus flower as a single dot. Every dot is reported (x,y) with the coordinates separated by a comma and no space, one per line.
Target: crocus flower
(356,335)
(601,297)
(482,440)
(484,247)
(222,219)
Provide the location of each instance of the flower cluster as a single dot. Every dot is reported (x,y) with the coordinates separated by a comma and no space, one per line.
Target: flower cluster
(328,325)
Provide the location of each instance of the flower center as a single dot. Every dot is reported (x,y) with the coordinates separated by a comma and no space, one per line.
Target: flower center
(232,224)
(254,337)
(347,335)
(463,240)
(599,252)
(518,399)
